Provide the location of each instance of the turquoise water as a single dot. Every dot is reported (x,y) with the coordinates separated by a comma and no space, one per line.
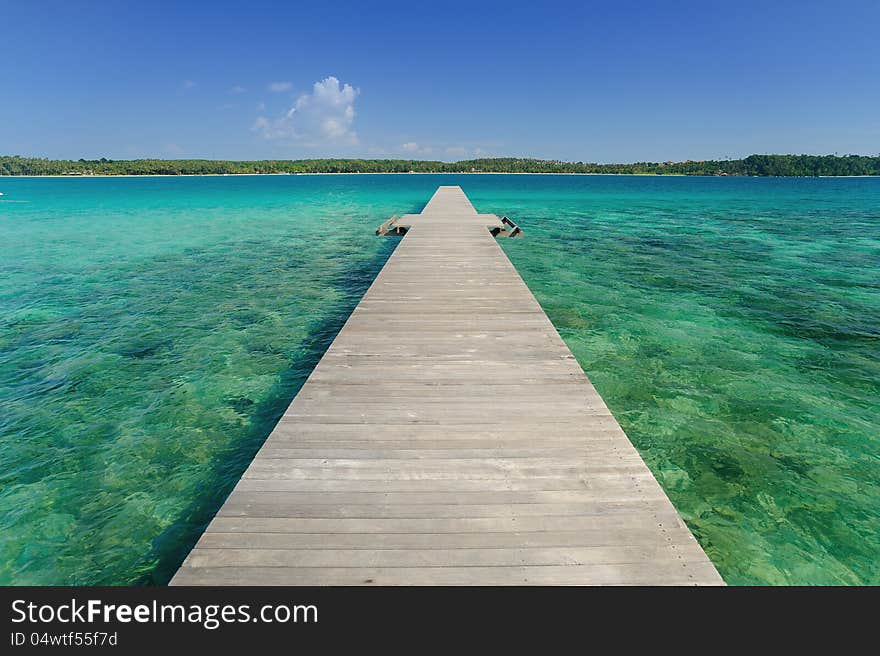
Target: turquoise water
(153,329)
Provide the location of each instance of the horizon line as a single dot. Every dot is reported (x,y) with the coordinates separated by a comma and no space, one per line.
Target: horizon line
(439,161)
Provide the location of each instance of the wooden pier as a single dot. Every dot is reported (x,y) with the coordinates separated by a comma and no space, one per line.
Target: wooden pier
(447,437)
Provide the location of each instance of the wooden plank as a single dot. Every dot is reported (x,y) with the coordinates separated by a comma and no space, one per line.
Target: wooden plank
(376,541)
(447,437)
(666,521)
(436,557)
(657,573)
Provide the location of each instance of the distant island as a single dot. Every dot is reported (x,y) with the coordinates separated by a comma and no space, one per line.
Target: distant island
(760,165)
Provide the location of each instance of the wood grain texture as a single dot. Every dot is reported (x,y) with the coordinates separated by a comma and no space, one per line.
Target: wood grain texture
(447,437)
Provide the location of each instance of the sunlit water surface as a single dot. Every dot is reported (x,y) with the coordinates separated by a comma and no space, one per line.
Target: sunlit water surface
(152,330)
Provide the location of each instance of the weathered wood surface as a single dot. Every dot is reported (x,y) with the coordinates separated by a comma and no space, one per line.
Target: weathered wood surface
(447,437)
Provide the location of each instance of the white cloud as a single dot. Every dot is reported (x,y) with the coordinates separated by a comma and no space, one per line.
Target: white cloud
(324,115)
(413,148)
(458,151)
(280,87)
(188,84)
(237,89)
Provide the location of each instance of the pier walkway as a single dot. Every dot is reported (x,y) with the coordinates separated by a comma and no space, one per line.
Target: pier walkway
(447,437)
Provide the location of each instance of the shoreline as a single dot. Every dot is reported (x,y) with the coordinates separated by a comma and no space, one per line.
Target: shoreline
(239,175)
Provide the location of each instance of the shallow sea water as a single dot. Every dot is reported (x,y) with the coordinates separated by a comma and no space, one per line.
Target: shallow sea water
(152,330)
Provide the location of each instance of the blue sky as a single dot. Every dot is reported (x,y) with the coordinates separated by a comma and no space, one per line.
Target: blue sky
(615,81)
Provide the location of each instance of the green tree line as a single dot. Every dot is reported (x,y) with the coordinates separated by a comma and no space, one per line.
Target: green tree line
(761,165)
